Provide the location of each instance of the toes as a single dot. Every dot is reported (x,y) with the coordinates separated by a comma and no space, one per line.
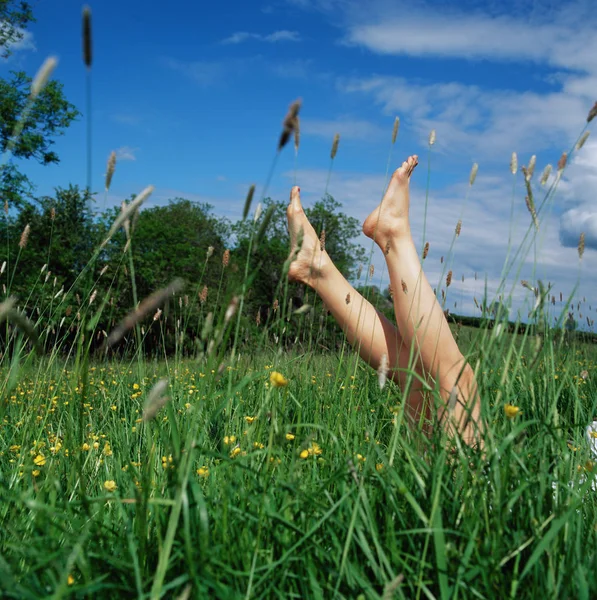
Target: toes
(295,199)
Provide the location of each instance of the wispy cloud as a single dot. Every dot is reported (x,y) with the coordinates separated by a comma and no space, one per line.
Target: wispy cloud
(204,73)
(126,118)
(282,35)
(126,153)
(348,128)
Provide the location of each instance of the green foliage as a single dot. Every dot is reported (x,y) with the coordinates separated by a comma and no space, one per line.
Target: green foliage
(14,17)
(50,116)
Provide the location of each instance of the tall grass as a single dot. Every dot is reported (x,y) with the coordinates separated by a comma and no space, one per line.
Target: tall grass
(263,473)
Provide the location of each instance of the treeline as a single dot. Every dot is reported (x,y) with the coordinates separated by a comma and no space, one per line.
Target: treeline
(56,265)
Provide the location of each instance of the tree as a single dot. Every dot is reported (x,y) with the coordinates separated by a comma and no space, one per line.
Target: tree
(14,17)
(49,116)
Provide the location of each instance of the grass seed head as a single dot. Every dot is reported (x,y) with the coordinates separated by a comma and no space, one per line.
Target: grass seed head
(531,168)
(156,399)
(289,123)
(25,237)
(545,175)
(395,130)
(425,250)
(226,258)
(562,162)
(514,163)
(592,113)
(458,227)
(432,137)
(449,278)
(110,169)
(582,140)
(581,245)
(42,76)
(87,56)
(473,174)
(248,201)
(382,371)
(335,146)
(297,134)
(322,240)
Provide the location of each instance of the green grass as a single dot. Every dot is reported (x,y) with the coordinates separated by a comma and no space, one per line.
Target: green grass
(370,501)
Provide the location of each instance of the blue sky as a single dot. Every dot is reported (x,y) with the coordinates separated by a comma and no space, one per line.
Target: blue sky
(192,100)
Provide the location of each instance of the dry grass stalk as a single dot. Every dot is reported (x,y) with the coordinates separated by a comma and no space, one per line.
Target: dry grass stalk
(545,175)
(3,268)
(432,137)
(226,258)
(145,307)
(582,140)
(258,318)
(322,240)
(382,371)
(231,310)
(514,163)
(592,113)
(110,169)
(335,146)
(103,271)
(395,130)
(25,237)
(276,305)
(156,399)
(52,214)
(531,168)
(531,207)
(42,76)
(581,245)
(92,297)
(371,270)
(158,314)
(527,285)
(390,588)
(562,162)
(127,212)
(248,201)
(87,36)
(425,250)
(297,134)
(449,278)
(473,174)
(203,295)
(289,123)
(209,253)
(458,227)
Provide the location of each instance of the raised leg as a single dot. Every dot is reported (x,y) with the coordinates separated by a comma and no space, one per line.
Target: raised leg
(419,315)
(364,326)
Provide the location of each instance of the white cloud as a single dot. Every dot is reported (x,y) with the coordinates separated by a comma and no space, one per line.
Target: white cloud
(26,41)
(282,35)
(126,153)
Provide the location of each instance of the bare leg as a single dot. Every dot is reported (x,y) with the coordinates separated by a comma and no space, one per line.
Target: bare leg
(364,326)
(419,316)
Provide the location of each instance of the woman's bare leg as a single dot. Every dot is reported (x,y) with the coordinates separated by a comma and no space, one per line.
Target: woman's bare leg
(364,326)
(419,315)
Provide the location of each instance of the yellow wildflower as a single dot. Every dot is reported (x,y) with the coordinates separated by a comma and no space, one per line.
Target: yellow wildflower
(229,439)
(39,460)
(135,386)
(70,579)
(511,410)
(277,379)
(110,485)
(36,473)
(235,452)
(379,467)
(203,471)
(250,420)
(258,445)
(304,454)
(85,447)
(290,436)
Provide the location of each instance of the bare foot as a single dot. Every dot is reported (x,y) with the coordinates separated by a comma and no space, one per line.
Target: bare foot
(310,262)
(390,218)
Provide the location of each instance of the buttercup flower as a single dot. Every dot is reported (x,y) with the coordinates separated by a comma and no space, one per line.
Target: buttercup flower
(277,379)
(511,410)
(110,485)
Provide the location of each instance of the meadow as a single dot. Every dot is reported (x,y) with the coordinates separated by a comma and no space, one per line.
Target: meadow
(247,464)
